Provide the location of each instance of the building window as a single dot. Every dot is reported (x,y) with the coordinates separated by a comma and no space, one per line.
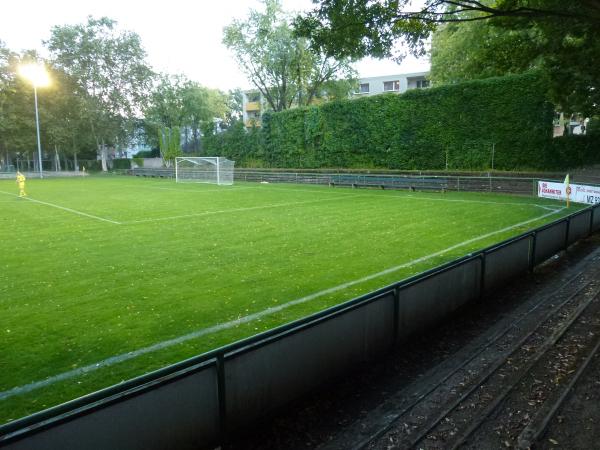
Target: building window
(421,84)
(391,85)
(363,88)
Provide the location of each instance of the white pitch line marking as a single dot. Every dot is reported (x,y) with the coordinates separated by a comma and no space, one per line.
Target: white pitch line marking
(200,191)
(400,195)
(485,202)
(74,211)
(242,320)
(249,208)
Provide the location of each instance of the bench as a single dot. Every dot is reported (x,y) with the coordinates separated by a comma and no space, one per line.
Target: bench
(390,182)
(152,173)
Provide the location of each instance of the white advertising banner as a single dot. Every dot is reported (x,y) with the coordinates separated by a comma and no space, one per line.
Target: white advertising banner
(579,193)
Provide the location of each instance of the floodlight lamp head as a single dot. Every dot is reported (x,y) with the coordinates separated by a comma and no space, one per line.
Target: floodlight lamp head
(35,73)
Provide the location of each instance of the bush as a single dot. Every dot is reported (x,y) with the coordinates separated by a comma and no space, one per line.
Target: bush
(121,164)
(154,153)
(593,127)
(91,165)
(567,152)
(235,143)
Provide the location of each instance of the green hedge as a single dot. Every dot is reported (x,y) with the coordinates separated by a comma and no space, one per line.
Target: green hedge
(570,152)
(504,122)
(91,165)
(121,164)
(245,147)
(461,125)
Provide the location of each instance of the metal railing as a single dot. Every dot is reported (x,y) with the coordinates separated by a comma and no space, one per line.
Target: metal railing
(468,183)
(507,185)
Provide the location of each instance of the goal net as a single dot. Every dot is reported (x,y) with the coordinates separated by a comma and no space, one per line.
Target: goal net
(205,169)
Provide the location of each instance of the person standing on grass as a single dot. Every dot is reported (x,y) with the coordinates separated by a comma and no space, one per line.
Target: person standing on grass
(21,183)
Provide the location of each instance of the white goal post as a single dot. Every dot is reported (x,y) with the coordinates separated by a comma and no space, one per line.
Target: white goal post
(204,169)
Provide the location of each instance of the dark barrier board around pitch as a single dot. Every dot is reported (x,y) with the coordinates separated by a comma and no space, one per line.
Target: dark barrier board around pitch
(189,403)
(506,261)
(579,226)
(428,300)
(265,377)
(167,416)
(549,241)
(596,219)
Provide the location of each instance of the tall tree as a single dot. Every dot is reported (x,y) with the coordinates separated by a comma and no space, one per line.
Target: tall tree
(471,50)
(569,34)
(235,105)
(110,66)
(64,127)
(165,103)
(17,119)
(169,143)
(164,107)
(67,126)
(281,66)
(178,102)
(201,107)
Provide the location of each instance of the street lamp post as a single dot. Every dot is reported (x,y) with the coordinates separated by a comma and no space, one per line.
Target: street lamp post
(37,127)
(38,77)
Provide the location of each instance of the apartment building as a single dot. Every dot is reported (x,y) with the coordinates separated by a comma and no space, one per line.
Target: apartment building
(392,83)
(254,104)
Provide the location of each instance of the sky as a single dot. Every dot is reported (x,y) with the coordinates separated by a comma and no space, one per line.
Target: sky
(179,36)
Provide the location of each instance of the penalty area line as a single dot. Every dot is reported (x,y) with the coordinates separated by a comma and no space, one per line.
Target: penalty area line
(64,208)
(26,388)
(200,191)
(233,210)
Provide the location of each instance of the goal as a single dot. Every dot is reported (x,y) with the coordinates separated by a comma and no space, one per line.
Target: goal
(204,169)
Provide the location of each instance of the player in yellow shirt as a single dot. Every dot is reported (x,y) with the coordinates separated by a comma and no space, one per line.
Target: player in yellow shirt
(21,183)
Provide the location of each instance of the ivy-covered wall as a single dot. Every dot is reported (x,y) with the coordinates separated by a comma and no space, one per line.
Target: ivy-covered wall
(245,147)
(505,122)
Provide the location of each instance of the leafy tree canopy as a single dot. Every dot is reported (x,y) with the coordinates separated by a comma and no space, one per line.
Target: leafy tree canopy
(559,36)
(109,65)
(281,66)
(473,50)
(178,103)
(63,115)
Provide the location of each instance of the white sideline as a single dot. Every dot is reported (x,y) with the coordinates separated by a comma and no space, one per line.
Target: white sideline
(74,211)
(223,326)
(486,202)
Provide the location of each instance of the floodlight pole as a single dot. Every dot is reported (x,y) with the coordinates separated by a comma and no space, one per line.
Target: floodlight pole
(37,126)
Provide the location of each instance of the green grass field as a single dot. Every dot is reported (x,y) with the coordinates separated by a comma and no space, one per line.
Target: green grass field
(147,272)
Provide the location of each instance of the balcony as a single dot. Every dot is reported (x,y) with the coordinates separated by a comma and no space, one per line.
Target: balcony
(253,106)
(252,123)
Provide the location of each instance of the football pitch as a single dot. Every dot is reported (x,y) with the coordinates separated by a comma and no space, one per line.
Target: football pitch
(107,278)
